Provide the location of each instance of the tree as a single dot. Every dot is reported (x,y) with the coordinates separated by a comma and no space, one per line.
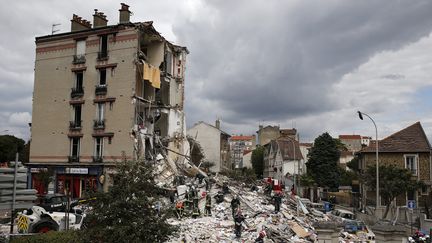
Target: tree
(125,213)
(322,164)
(394,181)
(9,146)
(354,164)
(257,161)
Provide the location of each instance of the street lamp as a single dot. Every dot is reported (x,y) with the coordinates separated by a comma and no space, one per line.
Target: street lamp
(377,163)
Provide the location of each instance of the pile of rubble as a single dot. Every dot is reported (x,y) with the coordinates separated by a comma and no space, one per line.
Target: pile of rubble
(293,223)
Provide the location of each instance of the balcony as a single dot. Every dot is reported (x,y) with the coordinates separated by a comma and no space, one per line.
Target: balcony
(97,159)
(99,124)
(73,158)
(102,55)
(77,92)
(101,89)
(79,59)
(75,125)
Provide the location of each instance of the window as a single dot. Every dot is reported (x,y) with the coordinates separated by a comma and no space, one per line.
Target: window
(80,48)
(103,49)
(76,122)
(100,111)
(411,195)
(80,52)
(79,77)
(411,163)
(424,190)
(75,147)
(102,76)
(98,147)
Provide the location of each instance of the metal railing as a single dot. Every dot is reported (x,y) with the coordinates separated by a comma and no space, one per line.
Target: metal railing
(73,158)
(75,124)
(103,55)
(101,89)
(79,59)
(99,123)
(77,92)
(98,159)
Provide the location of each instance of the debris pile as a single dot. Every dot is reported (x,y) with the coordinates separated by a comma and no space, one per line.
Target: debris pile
(293,223)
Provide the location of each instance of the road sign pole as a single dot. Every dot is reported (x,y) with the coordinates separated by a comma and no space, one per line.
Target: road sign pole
(14,193)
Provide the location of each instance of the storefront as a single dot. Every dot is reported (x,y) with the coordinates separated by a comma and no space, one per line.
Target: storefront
(77,180)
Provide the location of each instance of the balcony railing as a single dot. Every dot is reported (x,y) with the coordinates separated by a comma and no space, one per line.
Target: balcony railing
(99,124)
(101,89)
(77,92)
(98,159)
(73,158)
(102,55)
(79,59)
(75,124)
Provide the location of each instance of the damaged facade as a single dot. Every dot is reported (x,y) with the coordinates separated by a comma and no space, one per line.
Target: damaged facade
(102,95)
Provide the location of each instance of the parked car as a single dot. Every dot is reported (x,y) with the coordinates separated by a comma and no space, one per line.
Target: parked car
(343,215)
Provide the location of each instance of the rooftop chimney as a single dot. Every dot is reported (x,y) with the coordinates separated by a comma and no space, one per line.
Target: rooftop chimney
(124,14)
(218,124)
(78,23)
(99,19)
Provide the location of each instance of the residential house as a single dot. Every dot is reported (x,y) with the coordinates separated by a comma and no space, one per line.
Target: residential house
(408,148)
(104,94)
(247,159)
(282,157)
(214,143)
(268,133)
(238,145)
(305,149)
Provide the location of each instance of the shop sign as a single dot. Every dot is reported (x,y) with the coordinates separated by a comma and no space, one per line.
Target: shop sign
(76,171)
(37,170)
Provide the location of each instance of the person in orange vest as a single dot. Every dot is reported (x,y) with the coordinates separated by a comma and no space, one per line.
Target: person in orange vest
(179,209)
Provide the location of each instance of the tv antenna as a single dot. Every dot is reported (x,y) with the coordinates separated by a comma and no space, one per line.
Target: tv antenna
(53,30)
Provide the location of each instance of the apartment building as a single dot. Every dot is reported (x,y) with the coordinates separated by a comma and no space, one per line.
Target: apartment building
(104,94)
(240,144)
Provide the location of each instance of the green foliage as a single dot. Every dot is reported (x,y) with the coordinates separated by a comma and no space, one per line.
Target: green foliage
(394,181)
(125,213)
(257,161)
(354,164)
(322,164)
(346,177)
(9,146)
(306,180)
(70,236)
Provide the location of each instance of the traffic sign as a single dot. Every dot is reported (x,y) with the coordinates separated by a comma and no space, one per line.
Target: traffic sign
(411,204)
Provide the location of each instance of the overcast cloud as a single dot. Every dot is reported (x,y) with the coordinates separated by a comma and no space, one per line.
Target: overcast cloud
(307,64)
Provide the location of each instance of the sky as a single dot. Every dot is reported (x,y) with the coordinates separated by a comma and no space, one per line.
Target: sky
(309,65)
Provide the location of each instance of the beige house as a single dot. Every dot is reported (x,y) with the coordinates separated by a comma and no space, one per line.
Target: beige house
(101,92)
(408,148)
(214,143)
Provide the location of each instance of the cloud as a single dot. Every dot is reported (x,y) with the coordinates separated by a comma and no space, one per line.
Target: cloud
(281,61)
(308,64)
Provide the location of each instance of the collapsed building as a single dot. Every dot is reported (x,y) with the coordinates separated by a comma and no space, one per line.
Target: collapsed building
(105,94)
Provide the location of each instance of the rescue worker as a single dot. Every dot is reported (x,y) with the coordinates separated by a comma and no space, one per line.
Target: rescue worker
(195,208)
(179,209)
(235,204)
(238,220)
(225,188)
(261,237)
(277,200)
(219,197)
(208,205)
